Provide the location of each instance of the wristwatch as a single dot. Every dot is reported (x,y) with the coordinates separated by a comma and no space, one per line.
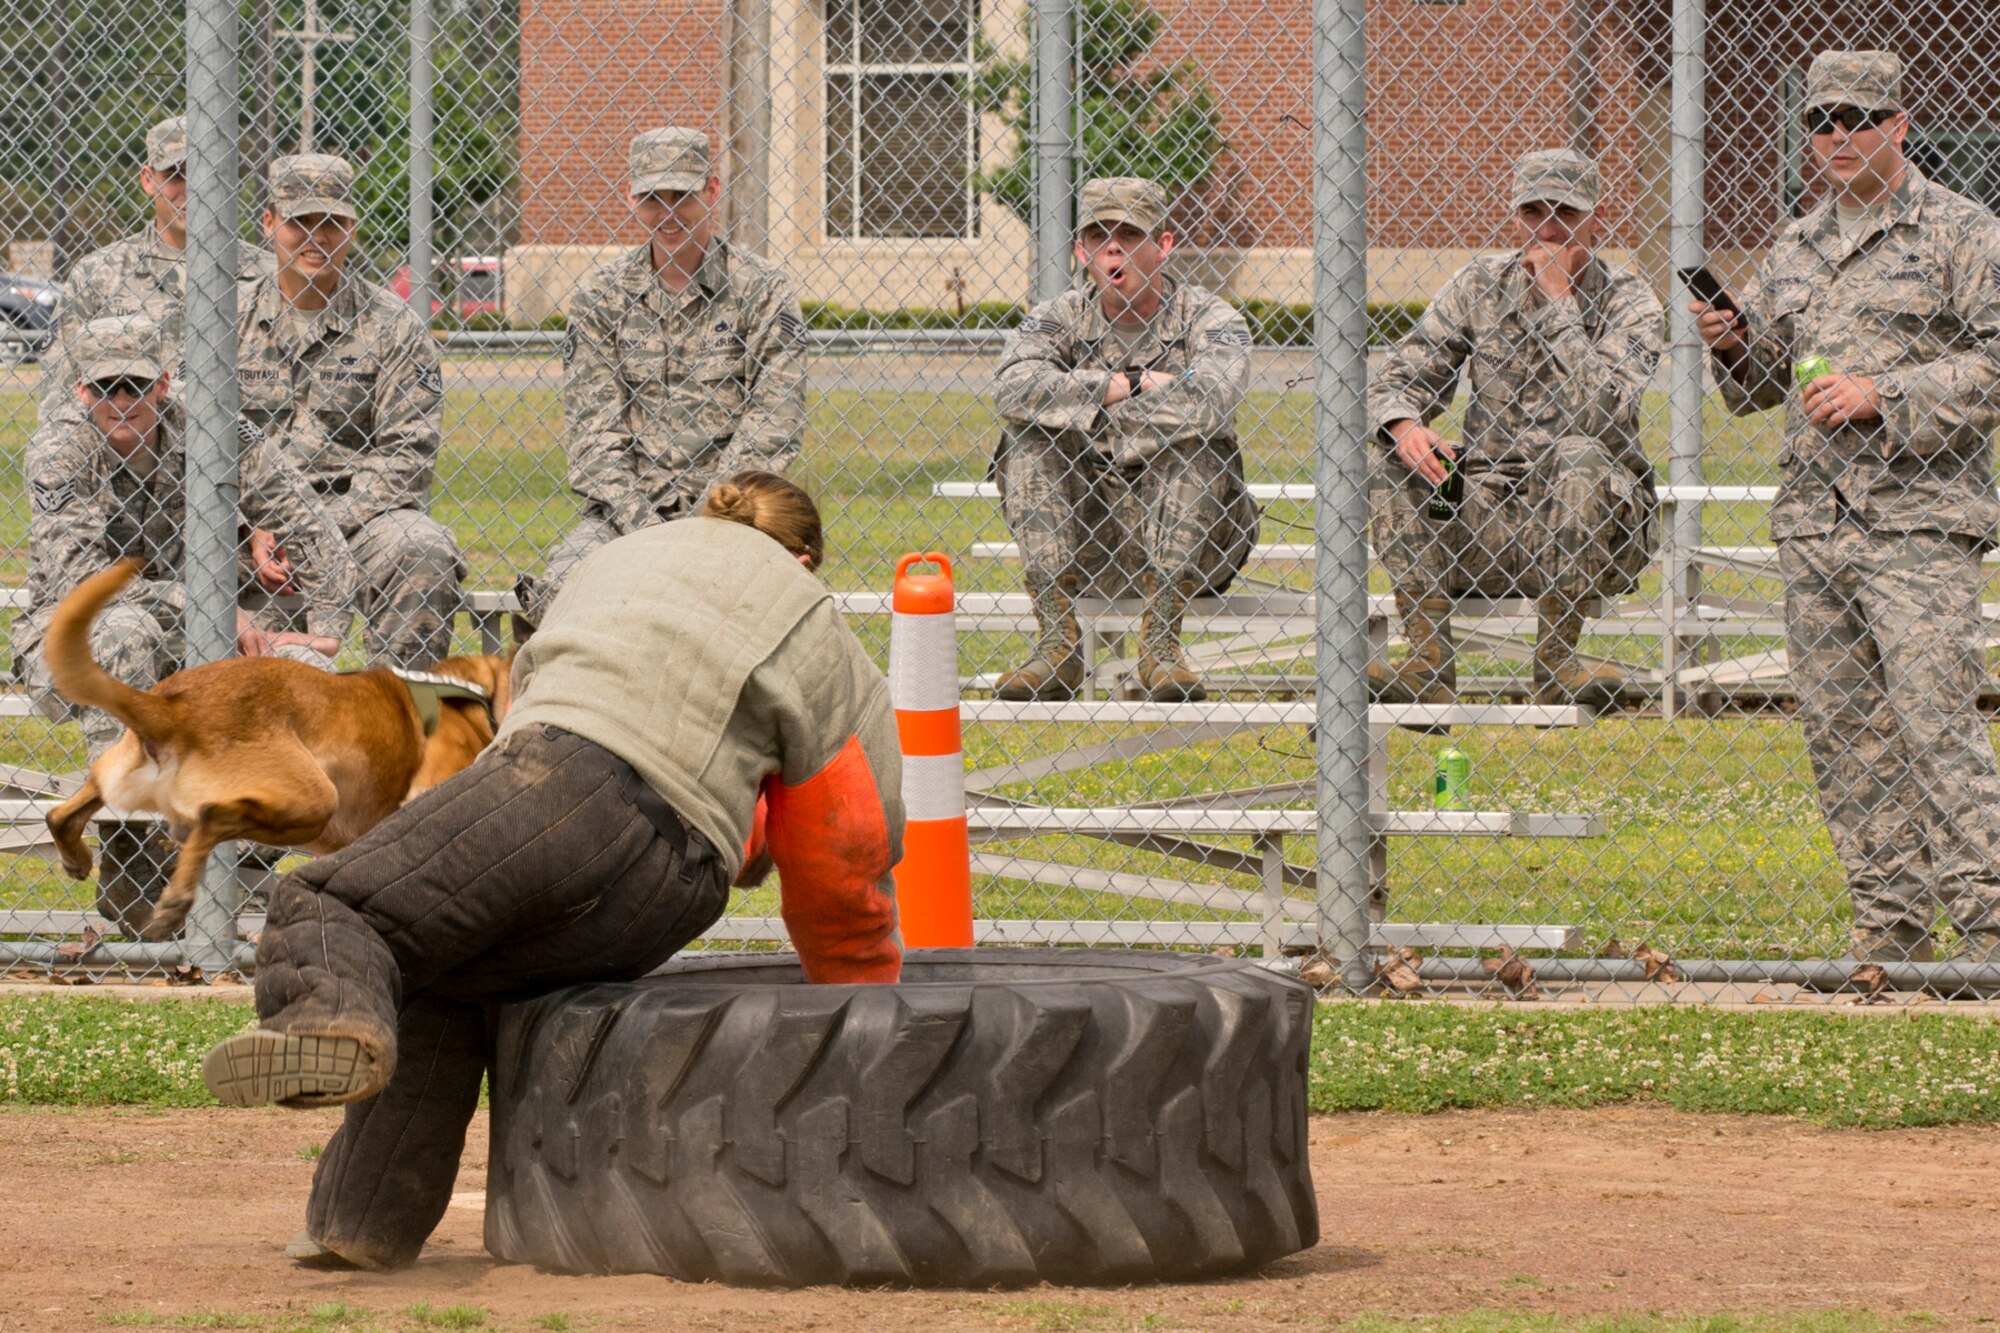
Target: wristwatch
(1136,378)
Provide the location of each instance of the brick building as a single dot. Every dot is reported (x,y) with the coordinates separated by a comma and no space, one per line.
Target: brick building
(846,140)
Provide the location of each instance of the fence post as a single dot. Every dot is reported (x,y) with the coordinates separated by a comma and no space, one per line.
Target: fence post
(1055,151)
(1685,230)
(1340,430)
(421,132)
(934,878)
(209,365)
(1582,76)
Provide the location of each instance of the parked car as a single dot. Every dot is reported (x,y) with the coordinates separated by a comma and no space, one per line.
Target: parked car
(27,314)
(477,292)
(28,304)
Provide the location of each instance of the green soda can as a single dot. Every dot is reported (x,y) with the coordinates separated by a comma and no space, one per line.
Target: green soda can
(1454,770)
(1810,369)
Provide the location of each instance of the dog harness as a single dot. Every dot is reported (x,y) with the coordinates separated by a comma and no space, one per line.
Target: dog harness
(428,691)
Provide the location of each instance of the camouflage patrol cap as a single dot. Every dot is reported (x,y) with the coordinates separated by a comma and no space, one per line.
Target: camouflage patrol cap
(313,183)
(167,145)
(1556,176)
(1115,199)
(669,159)
(1871,80)
(118,347)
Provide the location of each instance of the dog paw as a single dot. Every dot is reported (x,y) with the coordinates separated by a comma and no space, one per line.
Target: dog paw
(78,867)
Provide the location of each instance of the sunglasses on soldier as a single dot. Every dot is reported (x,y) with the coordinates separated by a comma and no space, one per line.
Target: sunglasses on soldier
(123,387)
(1853,119)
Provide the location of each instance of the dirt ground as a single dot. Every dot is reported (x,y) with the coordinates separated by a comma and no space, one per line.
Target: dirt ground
(111,1213)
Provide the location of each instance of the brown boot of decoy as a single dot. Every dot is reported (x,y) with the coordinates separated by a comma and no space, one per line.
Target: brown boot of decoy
(1164,676)
(1055,672)
(1563,679)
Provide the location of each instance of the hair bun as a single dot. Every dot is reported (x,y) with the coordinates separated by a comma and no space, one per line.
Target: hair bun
(732,502)
(775,506)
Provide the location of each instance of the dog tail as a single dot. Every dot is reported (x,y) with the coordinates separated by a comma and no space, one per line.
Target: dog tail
(77,675)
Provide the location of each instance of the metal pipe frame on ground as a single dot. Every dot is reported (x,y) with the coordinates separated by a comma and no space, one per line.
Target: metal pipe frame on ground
(1825,974)
(212,956)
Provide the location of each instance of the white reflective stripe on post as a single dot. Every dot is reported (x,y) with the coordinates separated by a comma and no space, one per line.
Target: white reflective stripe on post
(923,663)
(934,786)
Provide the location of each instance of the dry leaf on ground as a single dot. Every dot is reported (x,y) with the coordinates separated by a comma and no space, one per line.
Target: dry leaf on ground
(1659,967)
(1514,973)
(1397,971)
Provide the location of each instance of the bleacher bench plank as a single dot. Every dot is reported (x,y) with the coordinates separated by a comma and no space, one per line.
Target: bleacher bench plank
(1253,714)
(1043,820)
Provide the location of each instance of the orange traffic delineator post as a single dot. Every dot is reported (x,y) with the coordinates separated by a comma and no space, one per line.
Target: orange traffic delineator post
(934,878)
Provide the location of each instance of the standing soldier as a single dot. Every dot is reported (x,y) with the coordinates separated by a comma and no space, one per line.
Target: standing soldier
(1892,285)
(345,379)
(1554,496)
(112,488)
(685,361)
(144,274)
(1119,469)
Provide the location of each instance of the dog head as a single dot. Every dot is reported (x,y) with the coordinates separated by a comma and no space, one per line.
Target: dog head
(466,726)
(491,673)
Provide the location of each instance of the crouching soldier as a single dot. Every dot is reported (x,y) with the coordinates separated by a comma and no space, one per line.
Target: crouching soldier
(1119,468)
(345,378)
(112,487)
(1554,496)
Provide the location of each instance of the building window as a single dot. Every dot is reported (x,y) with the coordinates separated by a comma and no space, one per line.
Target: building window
(902,143)
(1964,158)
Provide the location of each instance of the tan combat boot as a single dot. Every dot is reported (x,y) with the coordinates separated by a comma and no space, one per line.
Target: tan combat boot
(1164,675)
(1055,672)
(1386,684)
(136,860)
(1430,673)
(1561,677)
(1904,942)
(1980,948)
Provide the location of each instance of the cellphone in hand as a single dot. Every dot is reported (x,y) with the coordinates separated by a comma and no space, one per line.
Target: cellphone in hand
(1705,288)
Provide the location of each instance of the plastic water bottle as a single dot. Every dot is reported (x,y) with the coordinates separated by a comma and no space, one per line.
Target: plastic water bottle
(1454,770)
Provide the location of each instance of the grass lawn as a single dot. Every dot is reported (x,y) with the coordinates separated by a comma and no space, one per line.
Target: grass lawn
(1877,1073)
(1714,842)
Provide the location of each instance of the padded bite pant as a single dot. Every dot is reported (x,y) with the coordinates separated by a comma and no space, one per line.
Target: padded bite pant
(548,862)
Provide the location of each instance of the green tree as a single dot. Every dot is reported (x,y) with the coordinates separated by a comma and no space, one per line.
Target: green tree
(122,67)
(1136,119)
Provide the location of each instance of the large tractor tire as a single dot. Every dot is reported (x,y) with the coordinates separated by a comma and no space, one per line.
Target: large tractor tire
(1000,1116)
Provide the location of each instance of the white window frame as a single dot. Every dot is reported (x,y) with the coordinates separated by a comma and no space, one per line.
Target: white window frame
(850,66)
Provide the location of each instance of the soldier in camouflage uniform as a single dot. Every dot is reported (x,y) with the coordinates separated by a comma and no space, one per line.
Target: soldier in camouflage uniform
(344,378)
(1119,469)
(1556,346)
(145,274)
(113,488)
(1886,506)
(685,362)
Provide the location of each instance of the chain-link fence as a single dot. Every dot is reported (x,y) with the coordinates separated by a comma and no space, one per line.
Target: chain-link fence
(1595,760)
